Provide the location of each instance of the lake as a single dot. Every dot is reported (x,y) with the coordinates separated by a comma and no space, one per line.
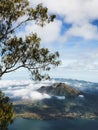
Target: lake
(64,124)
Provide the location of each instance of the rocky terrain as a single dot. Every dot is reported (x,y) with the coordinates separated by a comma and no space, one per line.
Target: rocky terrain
(65,102)
(60,89)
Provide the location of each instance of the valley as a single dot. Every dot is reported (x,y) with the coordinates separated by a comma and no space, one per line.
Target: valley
(65,102)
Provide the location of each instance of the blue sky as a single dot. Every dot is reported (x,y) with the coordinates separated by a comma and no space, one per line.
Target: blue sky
(74,33)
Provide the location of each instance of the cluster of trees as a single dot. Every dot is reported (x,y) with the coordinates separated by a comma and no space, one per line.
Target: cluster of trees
(6,112)
(16,52)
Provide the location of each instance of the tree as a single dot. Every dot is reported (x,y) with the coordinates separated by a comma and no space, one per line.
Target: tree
(17,52)
(6,111)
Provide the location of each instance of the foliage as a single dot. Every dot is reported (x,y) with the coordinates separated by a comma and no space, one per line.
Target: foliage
(6,111)
(18,52)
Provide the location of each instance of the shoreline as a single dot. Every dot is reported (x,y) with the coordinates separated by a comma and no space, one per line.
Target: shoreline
(56,117)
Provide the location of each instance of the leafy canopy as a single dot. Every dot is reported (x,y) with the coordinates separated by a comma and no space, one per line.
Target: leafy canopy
(18,52)
(6,112)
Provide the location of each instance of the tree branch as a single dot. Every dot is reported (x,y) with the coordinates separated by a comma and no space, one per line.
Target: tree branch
(8,32)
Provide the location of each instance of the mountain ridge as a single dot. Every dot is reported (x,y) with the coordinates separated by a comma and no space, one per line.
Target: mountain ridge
(60,89)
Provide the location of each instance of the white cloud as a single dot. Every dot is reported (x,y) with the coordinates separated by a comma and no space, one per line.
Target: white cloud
(79,13)
(24,89)
(88,62)
(49,33)
(87,31)
(36,96)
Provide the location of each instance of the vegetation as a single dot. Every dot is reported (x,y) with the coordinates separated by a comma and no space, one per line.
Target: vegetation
(6,111)
(72,106)
(16,52)
(54,108)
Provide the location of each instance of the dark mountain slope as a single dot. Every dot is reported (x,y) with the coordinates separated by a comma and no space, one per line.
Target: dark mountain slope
(60,89)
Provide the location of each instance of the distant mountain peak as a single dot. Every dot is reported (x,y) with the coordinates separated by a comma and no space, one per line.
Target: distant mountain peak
(60,89)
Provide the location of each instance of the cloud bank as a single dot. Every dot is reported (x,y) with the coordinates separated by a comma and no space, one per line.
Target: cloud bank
(24,89)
